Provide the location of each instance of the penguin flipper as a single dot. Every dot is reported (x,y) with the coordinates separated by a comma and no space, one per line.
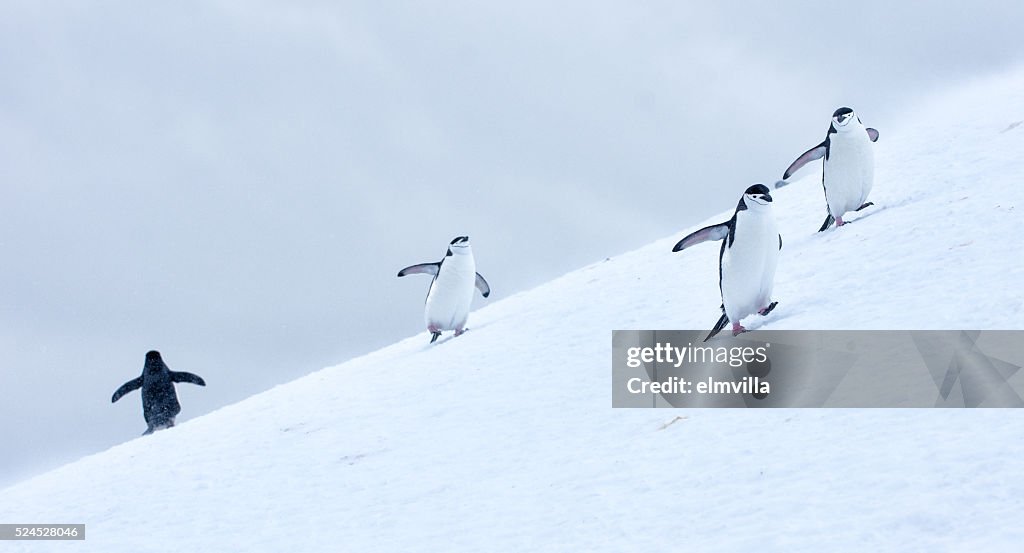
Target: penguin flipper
(481,284)
(421,269)
(133,384)
(873,134)
(828,222)
(713,232)
(724,320)
(814,153)
(187,377)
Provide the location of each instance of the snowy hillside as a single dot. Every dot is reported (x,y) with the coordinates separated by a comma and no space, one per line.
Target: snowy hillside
(504,439)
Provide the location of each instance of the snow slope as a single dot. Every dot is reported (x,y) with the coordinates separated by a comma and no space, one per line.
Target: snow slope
(504,439)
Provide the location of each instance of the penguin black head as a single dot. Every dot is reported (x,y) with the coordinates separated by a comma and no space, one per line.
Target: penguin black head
(757,194)
(154,363)
(460,244)
(842,117)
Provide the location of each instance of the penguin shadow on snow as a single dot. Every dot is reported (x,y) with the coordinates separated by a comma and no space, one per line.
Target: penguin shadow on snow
(433,344)
(762,322)
(436,343)
(834,233)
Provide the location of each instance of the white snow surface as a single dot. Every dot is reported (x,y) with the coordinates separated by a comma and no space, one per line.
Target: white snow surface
(504,439)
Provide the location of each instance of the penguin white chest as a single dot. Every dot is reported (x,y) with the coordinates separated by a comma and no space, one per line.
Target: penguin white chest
(748,266)
(451,293)
(849,171)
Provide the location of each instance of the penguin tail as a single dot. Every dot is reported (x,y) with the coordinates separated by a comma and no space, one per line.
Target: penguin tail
(828,222)
(865,205)
(724,320)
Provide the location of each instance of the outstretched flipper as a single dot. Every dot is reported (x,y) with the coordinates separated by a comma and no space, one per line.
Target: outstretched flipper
(866,205)
(814,153)
(421,269)
(718,326)
(482,285)
(187,377)
(873,134)
(133,384)
(435,336)
(713,232)
(828,222)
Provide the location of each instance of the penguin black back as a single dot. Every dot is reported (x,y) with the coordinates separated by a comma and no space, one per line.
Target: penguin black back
(159,399)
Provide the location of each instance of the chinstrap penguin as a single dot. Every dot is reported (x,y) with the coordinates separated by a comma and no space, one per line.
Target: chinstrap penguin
(747,259)
(849,166)
(451,290)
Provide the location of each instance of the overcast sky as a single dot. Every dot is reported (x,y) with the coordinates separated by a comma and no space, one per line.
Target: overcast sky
(237,183)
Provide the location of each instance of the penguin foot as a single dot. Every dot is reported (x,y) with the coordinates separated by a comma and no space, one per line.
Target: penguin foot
(738,329)
(435,335)
(460,331)
(158,426)
(768,309)
(840,222)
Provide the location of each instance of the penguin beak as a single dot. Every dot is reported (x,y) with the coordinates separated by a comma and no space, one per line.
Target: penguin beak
(767,197)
